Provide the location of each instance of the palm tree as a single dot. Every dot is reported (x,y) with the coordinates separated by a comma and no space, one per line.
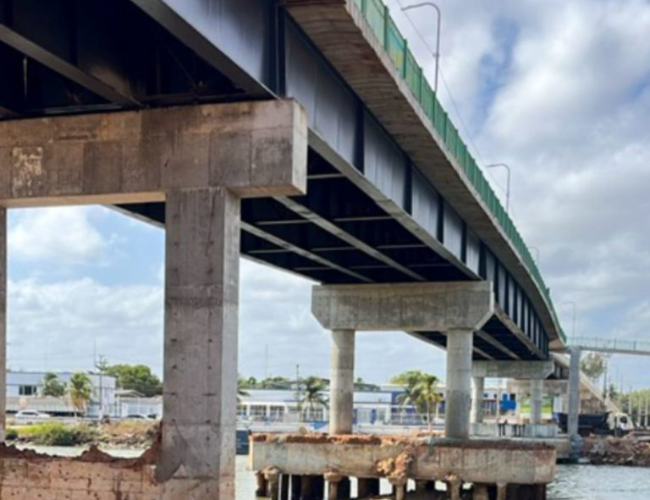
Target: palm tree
(411,395)
(428,397)
(313,394)
(52,386)
(80,391)
(420,391)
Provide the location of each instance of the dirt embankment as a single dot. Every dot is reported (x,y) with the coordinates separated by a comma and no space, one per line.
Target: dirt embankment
(630,450)
(124,434)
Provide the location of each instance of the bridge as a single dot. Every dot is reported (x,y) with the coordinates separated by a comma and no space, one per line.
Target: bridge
(609,345)
(182,113)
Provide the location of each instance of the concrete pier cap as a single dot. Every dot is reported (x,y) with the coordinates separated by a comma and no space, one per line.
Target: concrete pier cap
(523,370)
(443,307)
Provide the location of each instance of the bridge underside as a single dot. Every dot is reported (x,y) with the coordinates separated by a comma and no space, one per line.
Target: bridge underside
(70,56)
(349,239)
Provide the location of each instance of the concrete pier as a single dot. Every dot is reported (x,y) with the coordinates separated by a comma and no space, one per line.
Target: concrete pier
(408,307)
(536,400)
(201,298)
(574,391)
(342,382)
(3,323)
(478,389)
(201,161)
(459,384)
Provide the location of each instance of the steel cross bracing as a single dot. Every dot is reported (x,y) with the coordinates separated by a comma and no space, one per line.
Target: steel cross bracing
(371,215)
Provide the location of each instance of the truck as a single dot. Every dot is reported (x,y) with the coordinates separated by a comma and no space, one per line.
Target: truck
(604,424)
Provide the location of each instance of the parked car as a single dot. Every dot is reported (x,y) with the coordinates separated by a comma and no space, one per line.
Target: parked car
(136,416)
(30,416)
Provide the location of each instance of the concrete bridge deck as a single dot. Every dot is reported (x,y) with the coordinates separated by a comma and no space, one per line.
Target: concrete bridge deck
(388,200)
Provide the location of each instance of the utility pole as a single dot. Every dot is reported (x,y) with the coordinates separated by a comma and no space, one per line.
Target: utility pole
(101,364)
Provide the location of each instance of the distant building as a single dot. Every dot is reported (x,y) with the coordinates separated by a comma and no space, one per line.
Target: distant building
(24,391)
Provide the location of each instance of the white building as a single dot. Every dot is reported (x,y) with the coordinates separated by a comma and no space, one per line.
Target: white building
(24,390)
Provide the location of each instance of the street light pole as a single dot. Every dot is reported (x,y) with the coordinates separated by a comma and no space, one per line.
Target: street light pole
(439,26)
(507,167)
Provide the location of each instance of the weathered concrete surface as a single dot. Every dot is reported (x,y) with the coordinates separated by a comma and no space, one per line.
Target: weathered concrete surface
(513,369)
(200,354)
(340,31)
(342,382)
(458,383)
(3,323)
(536,400)
(94,476)
(478,389)
(253,148)
(411,307)
(487,462)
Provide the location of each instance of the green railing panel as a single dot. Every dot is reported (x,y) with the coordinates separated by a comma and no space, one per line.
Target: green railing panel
(451,136)
(440,120)
(413,74)
(375,12)
(427,100)
(395,45)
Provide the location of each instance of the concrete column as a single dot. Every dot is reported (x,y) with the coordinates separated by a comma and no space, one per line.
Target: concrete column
(477,400)
(285,480)
(574,392)
(502,491)
(3,322)
(459,383)
(200,352)
(536,400)
(342,382)
(296,487)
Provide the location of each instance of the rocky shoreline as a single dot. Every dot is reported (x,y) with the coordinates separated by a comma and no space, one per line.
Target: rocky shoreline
(632,450)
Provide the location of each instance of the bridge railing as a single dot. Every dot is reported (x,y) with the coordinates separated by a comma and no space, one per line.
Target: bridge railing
(396,46)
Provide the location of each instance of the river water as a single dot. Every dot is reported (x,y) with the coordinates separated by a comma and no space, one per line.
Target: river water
(572,482)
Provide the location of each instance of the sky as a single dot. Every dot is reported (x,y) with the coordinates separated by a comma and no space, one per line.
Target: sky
(558,90)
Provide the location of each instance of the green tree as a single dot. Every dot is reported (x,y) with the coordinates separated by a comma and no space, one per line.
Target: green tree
(80,391)
(52,386)
(275,382)
(407,377)
(360,385)
(312,394)
(136,378)
(242,385)
(593,365)
(420,391)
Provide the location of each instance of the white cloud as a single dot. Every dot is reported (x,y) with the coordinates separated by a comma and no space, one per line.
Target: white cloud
(59,323)
(61,234)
